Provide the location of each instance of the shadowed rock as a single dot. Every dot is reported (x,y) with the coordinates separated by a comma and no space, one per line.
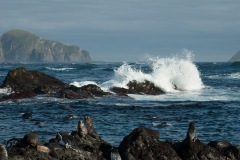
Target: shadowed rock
(135,87)
(143,143)
(28,83)
(21,80)
(87,91)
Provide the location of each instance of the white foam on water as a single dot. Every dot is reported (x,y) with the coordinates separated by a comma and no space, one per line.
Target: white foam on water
(82,83)
(58,69)
(234,76)
(178,73)
(5,91)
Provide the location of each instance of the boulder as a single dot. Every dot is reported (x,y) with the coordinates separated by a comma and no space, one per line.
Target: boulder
(23,81)
(135,87)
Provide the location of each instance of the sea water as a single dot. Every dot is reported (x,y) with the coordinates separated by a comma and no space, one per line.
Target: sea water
(206,93)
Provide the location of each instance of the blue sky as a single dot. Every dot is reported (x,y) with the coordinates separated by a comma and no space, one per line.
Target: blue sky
(128,30)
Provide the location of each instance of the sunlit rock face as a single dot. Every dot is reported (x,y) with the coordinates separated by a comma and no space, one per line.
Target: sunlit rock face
(23,46)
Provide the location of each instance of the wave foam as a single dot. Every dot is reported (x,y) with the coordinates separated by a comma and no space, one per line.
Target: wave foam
(58,69)
(178,73)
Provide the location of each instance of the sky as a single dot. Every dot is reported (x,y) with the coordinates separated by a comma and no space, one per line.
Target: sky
(131,30)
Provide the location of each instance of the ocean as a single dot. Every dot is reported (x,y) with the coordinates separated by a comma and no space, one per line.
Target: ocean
(206,93)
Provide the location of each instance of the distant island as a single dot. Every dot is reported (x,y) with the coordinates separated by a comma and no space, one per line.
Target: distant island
(235,58)
(23,46)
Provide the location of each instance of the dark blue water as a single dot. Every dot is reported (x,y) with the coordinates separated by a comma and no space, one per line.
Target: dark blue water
(214,108)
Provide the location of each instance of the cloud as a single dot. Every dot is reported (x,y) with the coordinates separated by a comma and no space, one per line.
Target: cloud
(133,24)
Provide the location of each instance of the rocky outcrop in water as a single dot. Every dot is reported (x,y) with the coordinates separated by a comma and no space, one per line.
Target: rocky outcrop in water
(23,46)
(28,83)
(135,87)
(141,144)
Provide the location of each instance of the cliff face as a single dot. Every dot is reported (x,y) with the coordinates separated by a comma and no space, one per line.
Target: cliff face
(23,46)
(1,53)
(235,58)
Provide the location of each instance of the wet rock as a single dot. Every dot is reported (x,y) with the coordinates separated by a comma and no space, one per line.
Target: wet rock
(135,87)
(143,143)
(63,146)
(88,91)
(28,83)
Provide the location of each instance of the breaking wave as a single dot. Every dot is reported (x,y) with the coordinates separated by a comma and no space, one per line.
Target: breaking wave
(178,73)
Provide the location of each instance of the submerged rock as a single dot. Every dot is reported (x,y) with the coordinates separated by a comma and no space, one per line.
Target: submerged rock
(135,87)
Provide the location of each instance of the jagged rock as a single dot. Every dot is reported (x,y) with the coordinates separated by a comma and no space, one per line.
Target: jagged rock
(64,146)
(143,143)
(23,46)
(135,87)
(140,144)
(227,149)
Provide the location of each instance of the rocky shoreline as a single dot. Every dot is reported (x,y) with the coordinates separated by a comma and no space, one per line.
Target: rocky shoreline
(141,144)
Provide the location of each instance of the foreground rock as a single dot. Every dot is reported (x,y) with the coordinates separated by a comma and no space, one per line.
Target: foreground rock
(28,83)
(72,145)
(143,143)
(23,46)
(135,87)
(140,144)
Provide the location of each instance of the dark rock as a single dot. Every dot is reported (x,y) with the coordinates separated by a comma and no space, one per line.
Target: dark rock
(23,46)
(27,115)
(28,83)
(88,91)
(135,87)
(143,143)
(191,148)
(227,149)
(140,144)
(22,81)
(64,146)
